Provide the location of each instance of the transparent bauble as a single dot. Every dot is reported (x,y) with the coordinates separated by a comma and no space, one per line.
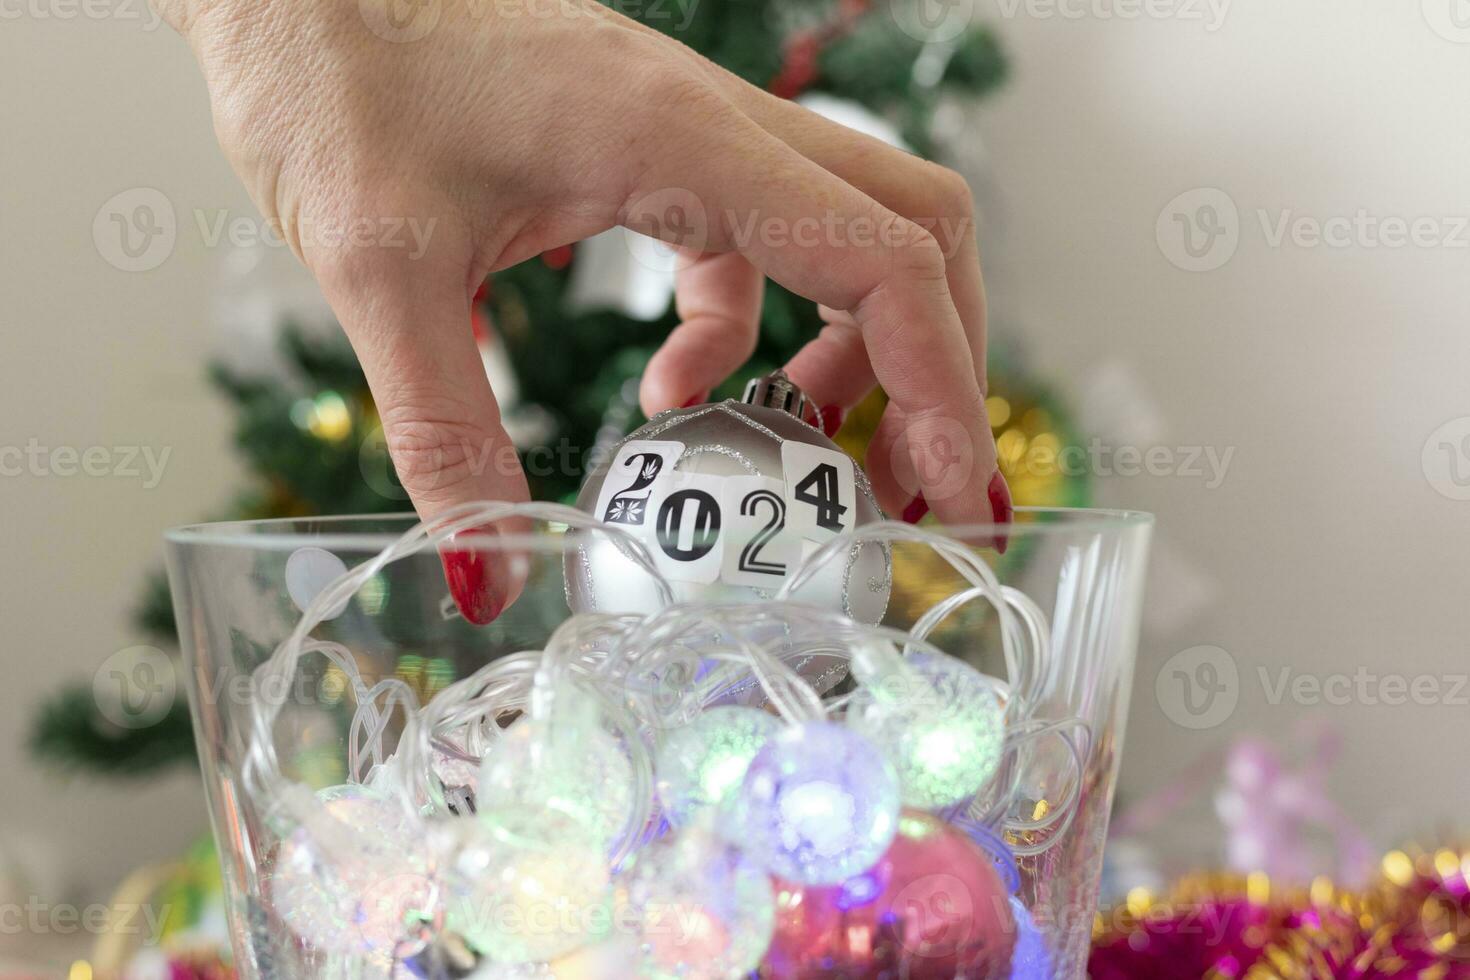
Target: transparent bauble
(701,763)
(361,892)
(577,770)
(818,804)
(940,723)
(705,911)
(525,885)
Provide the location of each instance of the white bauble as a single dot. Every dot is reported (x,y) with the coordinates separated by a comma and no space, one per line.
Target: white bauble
(730,499)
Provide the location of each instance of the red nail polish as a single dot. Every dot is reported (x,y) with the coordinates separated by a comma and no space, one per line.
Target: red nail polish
(1000,507)
(467,572)
(831,417)
(696,400)
(915,511)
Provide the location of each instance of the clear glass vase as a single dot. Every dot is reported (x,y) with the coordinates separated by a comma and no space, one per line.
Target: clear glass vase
(239,590)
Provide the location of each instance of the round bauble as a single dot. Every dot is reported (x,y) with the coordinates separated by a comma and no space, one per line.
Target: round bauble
(525,885)
(700,764)
(932,908)
(728,498)
(941,723)
(818,804)
(357,894)
(705,911)
(583,775)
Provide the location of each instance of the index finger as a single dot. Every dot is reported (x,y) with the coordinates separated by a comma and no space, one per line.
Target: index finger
(825,239)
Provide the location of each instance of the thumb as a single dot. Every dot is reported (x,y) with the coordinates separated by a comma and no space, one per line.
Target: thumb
(409,322)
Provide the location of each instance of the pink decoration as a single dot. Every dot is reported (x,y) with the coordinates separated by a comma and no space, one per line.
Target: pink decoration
(932,908)
(1275,812)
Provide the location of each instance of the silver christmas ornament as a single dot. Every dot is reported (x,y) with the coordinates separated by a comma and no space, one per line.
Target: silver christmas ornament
(729,499)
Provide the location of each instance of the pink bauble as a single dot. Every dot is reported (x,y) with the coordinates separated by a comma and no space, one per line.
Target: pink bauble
(932,908)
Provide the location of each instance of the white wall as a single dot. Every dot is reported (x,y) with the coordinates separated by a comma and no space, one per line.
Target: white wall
(1325,369)
(93,356)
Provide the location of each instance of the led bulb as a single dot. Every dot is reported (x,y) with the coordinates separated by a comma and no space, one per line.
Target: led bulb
(705,911)
(941,723)
(357,897)
(579,772)
(701,763)
(818,804)
(525,885)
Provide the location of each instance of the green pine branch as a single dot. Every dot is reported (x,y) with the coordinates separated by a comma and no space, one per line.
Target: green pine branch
(299,473)
(70,733)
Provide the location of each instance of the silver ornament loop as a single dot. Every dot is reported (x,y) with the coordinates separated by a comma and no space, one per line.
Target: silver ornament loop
(779,392)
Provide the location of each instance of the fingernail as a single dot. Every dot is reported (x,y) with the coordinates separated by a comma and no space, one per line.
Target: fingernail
(696,400)
(832,417)
(1000,507)
(915,511)
(467,571)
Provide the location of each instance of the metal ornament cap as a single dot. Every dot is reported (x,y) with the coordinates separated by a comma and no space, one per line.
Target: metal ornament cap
(776,391)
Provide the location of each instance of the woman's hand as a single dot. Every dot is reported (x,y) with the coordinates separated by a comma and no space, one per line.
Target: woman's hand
(502,128)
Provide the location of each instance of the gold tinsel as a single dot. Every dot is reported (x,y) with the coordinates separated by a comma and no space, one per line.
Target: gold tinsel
(1412,922)
(1030,436)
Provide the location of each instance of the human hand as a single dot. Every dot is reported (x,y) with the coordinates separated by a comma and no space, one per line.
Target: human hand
(506,134)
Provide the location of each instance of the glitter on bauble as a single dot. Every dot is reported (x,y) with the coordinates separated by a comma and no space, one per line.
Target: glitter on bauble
(360,902)
(524,885)
(717,443)
(818,804)
(705,911)
(941,723)
(933,908)
(701,763)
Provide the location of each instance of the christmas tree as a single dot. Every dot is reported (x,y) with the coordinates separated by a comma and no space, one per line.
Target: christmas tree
(314,444)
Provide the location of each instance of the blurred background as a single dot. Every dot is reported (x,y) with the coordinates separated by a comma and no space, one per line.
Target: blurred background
(1225,245)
